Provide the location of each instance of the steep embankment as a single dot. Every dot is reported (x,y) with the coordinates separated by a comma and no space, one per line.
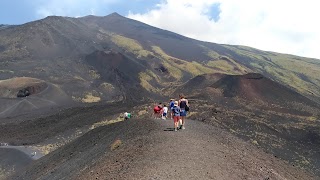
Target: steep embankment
(145,148)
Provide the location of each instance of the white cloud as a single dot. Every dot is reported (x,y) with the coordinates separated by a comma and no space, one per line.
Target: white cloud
(281,26)
(70,7)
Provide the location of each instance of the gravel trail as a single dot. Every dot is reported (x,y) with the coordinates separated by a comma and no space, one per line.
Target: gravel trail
(199,152)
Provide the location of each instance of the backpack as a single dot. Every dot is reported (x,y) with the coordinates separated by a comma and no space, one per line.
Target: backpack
(176,110)
(187,108)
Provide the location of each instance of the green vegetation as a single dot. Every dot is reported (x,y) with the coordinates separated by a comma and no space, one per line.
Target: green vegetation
(131,45)
(148,77)
(116,144)
(255,142)
(94,74)
(173,71)
(145,77)
(299,73)
(213,54)
(76,77)
(196,68)
(6,71)
(227,65)
(210,53)
(106,122)
(90,98)
(176,69)
(176,66)
(107,87)
(160,52)
(224,66)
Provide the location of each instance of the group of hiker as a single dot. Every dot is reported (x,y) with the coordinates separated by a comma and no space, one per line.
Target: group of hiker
(178,111)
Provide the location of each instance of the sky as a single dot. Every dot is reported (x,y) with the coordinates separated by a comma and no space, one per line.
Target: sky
(283,26)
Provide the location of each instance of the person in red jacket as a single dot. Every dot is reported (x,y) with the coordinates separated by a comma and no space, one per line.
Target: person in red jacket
(157,111)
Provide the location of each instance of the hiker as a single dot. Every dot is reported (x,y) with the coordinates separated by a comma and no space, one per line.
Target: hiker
(157,111)
(164,112)
(184,106)
(127,116)
(171,104)
(176,115)
(33,153)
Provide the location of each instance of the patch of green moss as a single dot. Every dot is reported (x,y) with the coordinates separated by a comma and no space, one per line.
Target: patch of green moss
(195,68)
(130,45)
(145,77)
(229,67)
(173,70)
(223,65)
(94,74)
(176,66)
(107,87)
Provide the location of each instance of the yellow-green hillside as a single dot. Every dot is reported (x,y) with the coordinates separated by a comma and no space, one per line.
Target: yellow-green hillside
(299,73)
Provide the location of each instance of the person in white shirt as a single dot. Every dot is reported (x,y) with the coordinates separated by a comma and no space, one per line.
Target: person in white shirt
(126,116)
(164,112)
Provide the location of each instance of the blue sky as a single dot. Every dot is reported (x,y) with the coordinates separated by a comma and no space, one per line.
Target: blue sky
(284,26)
(22,11)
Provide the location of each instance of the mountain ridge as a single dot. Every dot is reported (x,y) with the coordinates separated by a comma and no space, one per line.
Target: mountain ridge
(66,41)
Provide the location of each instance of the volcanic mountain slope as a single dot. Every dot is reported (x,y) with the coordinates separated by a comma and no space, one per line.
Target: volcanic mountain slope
(252,87)
(149,149)
(122,61)
(51,131)
(259,110)
(55,49)
(22,95)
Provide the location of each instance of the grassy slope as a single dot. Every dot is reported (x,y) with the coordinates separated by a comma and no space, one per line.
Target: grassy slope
(301,74)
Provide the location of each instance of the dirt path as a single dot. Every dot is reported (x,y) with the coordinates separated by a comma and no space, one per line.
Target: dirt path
(198,152)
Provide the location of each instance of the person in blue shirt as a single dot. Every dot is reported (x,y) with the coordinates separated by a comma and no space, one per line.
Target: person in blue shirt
(176,115)
(171,105)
